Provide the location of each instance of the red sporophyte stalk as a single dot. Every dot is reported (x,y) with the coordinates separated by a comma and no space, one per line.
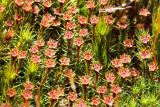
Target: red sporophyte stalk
(68,46)
(53,96)
(37,97)
(94,31)
(46,22)
(14,55)
(27,95)
(85,82)
(68,36)
(90,5)
(116,90)
(17,17)
(27,7)
(87,55)
(154,45)
(64,62)
(97,67)
(22,55)
(11,93)
(78,42)
(49,63)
